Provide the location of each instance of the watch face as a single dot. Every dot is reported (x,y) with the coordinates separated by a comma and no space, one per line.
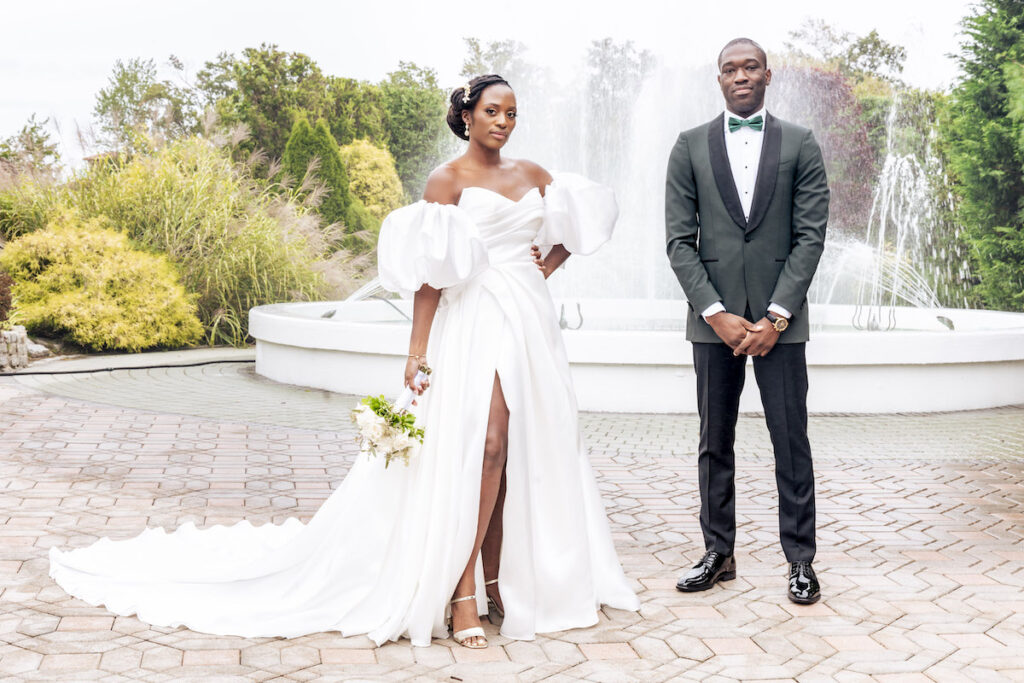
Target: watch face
(781,324)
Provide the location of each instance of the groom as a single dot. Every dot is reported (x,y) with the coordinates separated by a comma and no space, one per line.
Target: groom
(746,204)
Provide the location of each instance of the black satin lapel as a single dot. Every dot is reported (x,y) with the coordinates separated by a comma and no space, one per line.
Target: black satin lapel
(723,172)
(767,171)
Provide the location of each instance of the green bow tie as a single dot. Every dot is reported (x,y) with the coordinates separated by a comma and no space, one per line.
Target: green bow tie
(756,123)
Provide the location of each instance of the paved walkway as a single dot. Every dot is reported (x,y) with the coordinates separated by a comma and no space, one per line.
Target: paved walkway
(921,520)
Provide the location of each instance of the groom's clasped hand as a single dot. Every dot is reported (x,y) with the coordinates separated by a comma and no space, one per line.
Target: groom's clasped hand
(743,336)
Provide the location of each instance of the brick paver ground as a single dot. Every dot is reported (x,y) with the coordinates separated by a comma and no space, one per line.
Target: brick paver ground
(920,517)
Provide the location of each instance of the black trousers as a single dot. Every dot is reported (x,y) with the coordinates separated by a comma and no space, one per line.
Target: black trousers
(782,379)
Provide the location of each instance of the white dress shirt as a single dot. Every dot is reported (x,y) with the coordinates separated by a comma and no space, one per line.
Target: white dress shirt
(743,147)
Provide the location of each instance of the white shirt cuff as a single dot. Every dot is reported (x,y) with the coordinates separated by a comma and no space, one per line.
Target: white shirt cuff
(716,307)
(779,310)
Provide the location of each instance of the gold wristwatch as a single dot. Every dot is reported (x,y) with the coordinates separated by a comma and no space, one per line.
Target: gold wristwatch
(778,322)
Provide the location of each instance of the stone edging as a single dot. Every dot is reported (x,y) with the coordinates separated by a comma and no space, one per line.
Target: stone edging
(13,348)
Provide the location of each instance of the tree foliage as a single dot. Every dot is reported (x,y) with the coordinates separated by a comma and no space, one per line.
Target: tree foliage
(356,111)
(136,105)
(856,57)
(266,89)
(984,139)
(852,81)
(826,99)
(502,57)
(615,73)
(416,108)
(30,151)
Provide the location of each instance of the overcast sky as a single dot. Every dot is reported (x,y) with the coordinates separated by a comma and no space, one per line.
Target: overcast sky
(56,55)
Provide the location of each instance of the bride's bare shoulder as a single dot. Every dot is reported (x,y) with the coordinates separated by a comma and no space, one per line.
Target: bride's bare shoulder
(442,185)
(534,173)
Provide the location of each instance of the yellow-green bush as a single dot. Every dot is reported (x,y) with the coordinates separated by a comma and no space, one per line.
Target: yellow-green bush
(82,281)
(372,177)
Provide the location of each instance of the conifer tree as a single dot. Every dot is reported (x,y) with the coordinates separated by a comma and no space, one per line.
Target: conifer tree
(984,136)
(307,142)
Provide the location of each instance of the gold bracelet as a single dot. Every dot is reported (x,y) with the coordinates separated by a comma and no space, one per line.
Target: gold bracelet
(422,360)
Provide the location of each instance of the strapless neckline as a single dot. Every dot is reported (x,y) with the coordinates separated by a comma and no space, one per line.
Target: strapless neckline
(498,194)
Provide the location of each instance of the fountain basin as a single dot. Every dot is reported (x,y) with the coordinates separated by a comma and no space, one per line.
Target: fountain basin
(632,356)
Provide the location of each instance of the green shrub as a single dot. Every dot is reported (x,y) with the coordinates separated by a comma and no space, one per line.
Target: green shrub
(307,143)
(236,241)
(84,282)
(372,177)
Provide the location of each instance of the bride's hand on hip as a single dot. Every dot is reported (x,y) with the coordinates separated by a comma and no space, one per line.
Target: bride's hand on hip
(539,260)
(412,366)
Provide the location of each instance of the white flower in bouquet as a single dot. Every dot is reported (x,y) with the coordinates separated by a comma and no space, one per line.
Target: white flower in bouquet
(386,431)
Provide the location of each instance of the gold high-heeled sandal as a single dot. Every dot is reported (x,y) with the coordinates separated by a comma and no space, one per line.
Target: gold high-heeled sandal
(461,637)
(491,602)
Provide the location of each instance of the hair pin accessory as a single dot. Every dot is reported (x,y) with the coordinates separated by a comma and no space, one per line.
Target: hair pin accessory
(465,93)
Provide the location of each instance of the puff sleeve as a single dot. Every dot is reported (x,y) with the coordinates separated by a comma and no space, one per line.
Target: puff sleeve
(578,214)
(427,243)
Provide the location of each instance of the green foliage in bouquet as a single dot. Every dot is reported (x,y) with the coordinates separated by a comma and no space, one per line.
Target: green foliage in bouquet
(403,421)
(84,282)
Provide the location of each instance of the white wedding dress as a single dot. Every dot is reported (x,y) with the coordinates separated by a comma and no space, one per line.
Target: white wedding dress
(383,554)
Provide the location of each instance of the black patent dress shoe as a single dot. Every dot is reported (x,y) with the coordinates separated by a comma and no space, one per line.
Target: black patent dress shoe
(803,584)
(712,568)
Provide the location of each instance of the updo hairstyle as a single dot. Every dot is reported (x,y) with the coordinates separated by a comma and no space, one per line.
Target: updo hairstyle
(458,102)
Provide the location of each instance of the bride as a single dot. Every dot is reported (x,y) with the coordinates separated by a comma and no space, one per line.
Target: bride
(388,551)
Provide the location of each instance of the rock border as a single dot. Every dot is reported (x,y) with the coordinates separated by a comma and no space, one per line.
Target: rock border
(13,348)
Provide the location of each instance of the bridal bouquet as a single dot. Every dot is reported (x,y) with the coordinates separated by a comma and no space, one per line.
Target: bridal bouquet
(387,428)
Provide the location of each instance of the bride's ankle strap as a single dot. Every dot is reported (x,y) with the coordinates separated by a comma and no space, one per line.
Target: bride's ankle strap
(468,597)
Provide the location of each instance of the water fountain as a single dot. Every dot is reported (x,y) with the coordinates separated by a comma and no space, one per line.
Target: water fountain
(882,339)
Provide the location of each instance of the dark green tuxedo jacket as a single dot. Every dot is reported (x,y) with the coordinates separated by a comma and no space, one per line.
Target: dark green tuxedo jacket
(719,256)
